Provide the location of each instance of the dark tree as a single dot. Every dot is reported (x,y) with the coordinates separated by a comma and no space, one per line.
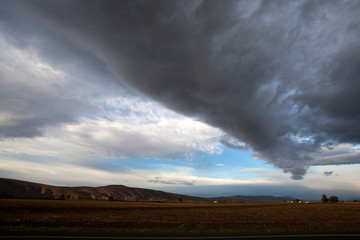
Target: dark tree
(324,199)
(333,199)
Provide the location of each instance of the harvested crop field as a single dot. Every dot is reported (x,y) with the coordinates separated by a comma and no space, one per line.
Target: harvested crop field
(105,216)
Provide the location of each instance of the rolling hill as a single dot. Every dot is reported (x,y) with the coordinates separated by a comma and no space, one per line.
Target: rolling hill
(23,189)
(11,188)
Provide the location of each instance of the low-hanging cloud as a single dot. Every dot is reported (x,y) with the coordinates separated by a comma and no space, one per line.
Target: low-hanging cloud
(280,76)
(328,173)
(171,182)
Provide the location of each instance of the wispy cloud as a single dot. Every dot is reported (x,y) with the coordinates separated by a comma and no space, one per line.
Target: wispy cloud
(171,181)
(145,131)
(328,173)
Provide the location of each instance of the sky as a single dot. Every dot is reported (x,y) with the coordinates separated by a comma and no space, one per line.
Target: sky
(205,98)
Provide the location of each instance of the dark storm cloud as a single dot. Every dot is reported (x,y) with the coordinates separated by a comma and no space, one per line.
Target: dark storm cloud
(35,112)
(281,76)
(32,95)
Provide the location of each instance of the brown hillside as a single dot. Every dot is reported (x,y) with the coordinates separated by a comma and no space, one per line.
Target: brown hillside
(23,189)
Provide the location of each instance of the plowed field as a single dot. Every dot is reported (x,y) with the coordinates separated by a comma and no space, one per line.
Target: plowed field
(103,216)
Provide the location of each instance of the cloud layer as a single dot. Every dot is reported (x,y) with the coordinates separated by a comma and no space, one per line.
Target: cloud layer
(279,77)
(143,130)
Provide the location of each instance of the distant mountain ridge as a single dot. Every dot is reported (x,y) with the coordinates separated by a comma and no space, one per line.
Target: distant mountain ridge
(242,198)
(23,189)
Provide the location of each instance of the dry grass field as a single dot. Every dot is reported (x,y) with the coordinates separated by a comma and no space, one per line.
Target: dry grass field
(105,216)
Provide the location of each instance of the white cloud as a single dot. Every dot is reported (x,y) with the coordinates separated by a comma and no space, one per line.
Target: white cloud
(144,130)
(172,181)
(162,130)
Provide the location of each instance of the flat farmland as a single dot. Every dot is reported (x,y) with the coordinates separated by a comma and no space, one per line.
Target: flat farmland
(140,217)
